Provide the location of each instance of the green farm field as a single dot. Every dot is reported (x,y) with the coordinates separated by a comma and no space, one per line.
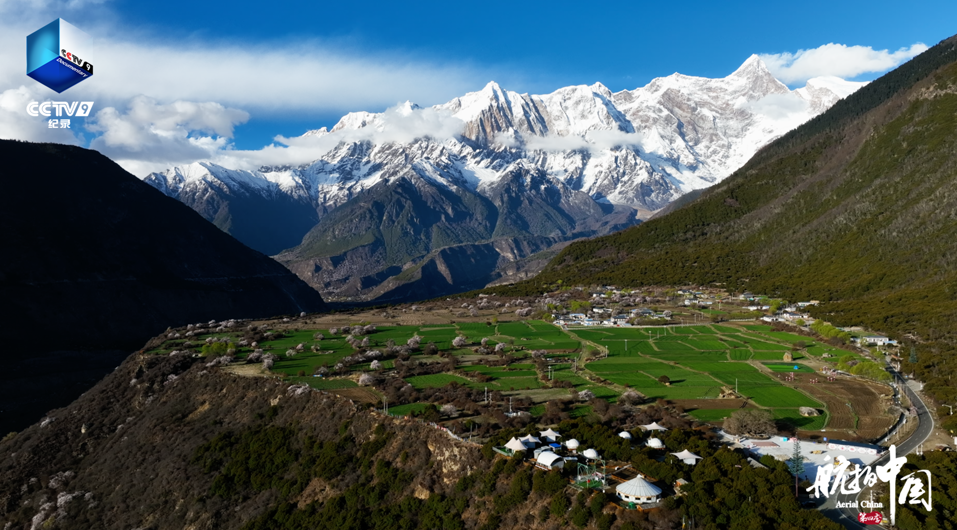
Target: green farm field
(697,361)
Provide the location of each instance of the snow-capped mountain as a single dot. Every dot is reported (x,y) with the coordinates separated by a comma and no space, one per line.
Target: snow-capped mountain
(395,190)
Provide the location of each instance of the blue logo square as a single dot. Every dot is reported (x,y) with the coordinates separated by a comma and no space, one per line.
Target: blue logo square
(54,56)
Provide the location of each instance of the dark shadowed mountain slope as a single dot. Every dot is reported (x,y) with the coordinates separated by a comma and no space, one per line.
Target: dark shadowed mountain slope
(855,208)
(95,259)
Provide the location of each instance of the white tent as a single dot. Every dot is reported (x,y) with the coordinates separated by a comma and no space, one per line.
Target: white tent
(654,427)
(688,457)
(654,443)
(515,445)
(590,454)
(638,490)
(625,434)
(550,435)
(550,460)
(572,444)
(529,440)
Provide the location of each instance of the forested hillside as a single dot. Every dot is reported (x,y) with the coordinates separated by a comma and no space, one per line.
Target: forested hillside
(855,208)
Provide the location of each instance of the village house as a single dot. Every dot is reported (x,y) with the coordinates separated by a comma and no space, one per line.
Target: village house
(877,340)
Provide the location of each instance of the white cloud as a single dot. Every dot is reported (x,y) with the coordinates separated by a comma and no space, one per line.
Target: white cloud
(593,141)
(151,136)
(837,60)
(778,106)
(280,77)
(268,80)
(180,99)
(399,124)
(508,139)
(163,134)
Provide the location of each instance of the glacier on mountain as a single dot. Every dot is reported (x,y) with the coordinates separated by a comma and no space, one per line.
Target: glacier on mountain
(640,148)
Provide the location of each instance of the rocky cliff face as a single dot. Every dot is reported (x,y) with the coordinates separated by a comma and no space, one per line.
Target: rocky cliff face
(579,162)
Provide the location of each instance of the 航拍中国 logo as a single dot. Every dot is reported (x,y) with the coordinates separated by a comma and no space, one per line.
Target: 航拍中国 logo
(56,56)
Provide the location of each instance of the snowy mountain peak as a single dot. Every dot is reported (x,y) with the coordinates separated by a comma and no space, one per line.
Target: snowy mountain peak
(601,89)
(637,149)
(322,131)
(355,120)
(492,86)
(838,86)
(753,66)
(406,108)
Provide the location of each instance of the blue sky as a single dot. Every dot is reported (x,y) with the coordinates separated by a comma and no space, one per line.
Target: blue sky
(304,64)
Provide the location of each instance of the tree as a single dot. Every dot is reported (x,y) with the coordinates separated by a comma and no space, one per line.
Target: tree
(796,464)
(586,395)
(366,380)
(750,422)
(630,397)
(665,380)
(913,356)
(459,342)
(559,504)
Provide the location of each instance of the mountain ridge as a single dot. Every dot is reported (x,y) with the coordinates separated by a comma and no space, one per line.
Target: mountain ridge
(534,166)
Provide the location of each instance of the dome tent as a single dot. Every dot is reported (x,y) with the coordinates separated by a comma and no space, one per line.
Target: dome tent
(549,460)
(638,490)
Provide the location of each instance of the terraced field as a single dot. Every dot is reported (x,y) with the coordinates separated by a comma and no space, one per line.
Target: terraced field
(697,361)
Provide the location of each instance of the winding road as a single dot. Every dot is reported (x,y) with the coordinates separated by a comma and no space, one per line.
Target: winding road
(925,426)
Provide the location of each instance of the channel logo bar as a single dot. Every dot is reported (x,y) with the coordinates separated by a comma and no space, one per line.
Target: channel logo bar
(56,56)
